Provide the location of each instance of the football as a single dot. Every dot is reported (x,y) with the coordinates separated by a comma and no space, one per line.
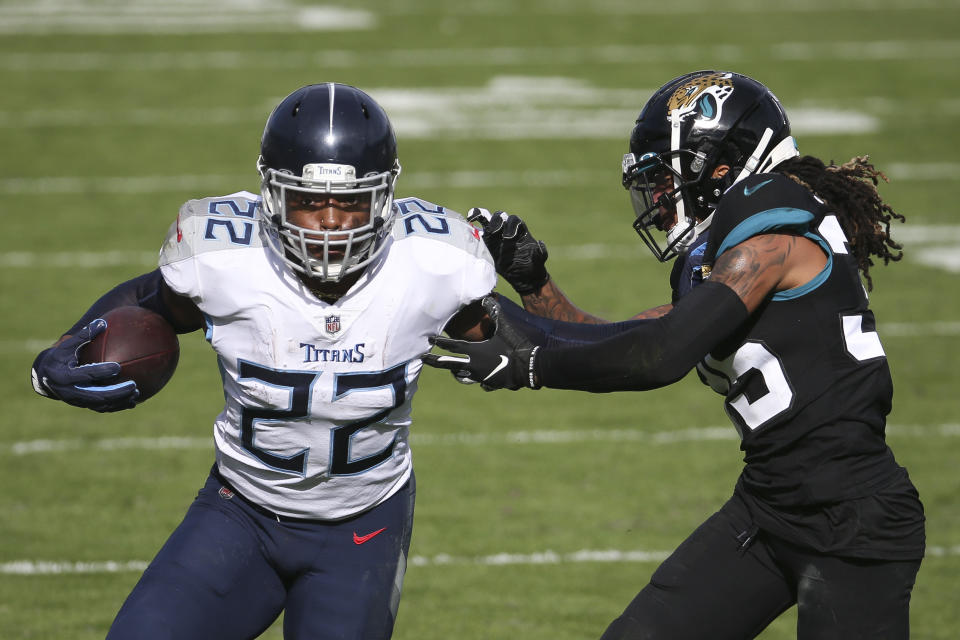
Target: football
(144,344)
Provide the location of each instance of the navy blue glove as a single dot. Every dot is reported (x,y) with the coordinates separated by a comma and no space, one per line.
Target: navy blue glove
(57,374)
(502,361)
(517,255)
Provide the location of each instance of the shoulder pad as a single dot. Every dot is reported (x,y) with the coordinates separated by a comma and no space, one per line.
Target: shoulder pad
(213,224)
(761,203)
(420,218)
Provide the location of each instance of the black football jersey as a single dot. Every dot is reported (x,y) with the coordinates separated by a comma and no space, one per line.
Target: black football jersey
(806,380)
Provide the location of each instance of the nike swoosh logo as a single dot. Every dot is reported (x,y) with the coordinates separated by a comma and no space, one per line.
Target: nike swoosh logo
(504,361)
(361,539)
(749,191)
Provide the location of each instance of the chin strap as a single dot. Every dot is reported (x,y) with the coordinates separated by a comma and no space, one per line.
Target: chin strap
(675,123)
(756,156)
(702,226)
(784,150)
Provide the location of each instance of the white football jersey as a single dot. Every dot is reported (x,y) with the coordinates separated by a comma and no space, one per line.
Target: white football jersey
(318,395)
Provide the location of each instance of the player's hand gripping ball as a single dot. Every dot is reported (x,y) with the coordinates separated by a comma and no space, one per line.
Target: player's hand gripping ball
(142,342)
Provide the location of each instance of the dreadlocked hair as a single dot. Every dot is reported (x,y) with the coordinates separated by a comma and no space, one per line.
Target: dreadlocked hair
(851,190)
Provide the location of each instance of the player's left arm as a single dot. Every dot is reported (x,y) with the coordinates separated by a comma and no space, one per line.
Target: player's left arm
(149,291)
(658,352)
(766,263)
(470,323)
(521,260)
(645,354)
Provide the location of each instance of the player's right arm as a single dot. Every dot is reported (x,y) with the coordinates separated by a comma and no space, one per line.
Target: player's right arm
(56,372)
(521,260)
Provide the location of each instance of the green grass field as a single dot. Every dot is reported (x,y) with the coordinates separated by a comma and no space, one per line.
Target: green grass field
(540,514)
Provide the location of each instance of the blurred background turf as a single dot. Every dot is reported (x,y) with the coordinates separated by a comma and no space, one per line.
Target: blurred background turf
(112,114)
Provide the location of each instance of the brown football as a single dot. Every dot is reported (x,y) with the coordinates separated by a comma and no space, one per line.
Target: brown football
(144,344)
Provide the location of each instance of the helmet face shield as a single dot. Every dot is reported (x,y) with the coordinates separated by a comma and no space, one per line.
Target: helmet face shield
(658,195)
(329,255)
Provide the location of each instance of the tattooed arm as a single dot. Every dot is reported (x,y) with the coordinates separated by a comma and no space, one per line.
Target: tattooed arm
(753,269)
(550,302)
(650,354)
(765,264)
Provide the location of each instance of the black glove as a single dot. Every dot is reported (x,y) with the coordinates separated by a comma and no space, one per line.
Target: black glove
(503,361)
(517,255)
(57,374)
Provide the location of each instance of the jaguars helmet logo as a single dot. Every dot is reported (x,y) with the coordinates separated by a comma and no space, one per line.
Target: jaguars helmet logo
(702,97)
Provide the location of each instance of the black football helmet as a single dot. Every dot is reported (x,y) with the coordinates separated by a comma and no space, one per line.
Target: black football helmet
(335,140)
(691,126)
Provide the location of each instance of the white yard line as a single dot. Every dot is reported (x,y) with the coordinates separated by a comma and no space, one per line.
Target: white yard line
(546,557)
(865,50)
(475,439)
(493,178)
(702,8)
(507,107)
(213,16)
(429,118)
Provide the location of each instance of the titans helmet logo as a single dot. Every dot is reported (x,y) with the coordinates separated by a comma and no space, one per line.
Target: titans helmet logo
(701,98)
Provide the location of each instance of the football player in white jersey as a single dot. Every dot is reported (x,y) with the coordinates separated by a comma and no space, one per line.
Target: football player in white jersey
(319,296)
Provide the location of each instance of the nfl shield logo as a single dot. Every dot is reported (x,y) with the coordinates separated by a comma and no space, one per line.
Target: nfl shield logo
(333,324)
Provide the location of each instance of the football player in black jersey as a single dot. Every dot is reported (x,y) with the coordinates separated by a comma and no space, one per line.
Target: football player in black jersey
(770,307)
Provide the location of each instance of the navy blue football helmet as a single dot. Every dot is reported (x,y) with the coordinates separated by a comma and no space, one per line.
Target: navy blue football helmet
(690,127)
(332,140)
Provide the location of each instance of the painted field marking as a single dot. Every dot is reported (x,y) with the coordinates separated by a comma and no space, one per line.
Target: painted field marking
(576,436)
(700,7)
(546,557)
(411,57)
(213,16)
(529,178)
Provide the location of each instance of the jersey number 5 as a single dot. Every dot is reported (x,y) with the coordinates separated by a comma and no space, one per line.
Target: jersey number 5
(756,384)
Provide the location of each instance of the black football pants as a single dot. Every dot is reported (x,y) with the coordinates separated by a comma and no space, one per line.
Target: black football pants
(723,584)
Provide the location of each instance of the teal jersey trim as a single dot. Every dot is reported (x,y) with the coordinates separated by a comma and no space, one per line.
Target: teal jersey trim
(769,220)
(777,219)
(817,280)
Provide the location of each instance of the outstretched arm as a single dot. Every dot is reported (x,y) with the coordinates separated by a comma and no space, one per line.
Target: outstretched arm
(550,302)
(645,354)
(521,260)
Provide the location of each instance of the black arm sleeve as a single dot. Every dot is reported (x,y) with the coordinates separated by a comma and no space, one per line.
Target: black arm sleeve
(651,354)
(558,333)
(143,291)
